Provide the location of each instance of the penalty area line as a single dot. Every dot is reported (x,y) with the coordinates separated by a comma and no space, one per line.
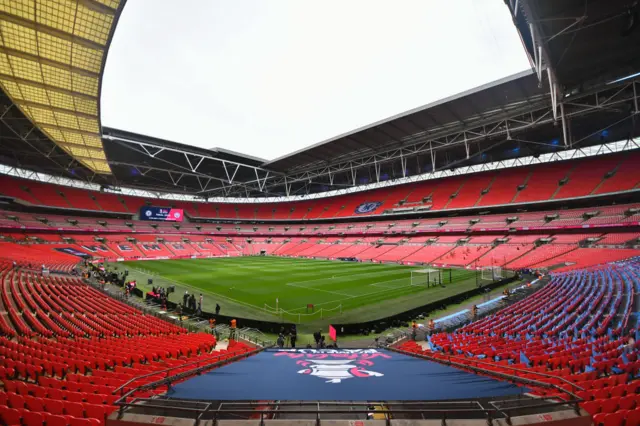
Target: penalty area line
(319,289)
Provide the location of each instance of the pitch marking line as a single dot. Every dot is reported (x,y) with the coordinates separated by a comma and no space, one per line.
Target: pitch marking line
(387,290)
(239,302)
(349,277)
(319,289)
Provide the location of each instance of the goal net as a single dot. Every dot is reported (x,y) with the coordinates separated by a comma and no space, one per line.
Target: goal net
(491,273)
(424,277)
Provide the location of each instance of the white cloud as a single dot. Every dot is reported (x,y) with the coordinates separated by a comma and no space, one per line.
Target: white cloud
(268,78)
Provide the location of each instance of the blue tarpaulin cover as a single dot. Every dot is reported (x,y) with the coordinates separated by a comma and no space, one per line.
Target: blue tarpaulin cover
(357,374)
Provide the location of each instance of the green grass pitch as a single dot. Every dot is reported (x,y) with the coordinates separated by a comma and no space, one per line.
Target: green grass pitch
(340,291)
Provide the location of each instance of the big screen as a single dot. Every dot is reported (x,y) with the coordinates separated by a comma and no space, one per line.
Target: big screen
(161,213)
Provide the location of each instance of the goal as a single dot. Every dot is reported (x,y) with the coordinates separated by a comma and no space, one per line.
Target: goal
(426,277)
(491,273)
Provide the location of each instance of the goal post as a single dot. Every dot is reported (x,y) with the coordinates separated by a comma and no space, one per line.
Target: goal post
(425,277)
(491,273)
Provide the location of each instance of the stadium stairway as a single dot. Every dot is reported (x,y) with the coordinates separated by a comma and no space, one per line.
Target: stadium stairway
(575,333)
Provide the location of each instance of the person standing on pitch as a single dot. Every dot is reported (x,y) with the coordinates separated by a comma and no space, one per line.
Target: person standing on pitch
(217,309)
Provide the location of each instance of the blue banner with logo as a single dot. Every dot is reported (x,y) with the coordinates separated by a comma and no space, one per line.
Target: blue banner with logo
(356,374)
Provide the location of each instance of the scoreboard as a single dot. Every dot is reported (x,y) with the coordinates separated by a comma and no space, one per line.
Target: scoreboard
(162,214)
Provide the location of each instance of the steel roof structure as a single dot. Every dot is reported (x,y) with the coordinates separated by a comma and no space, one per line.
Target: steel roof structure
(560,104)
(52,53)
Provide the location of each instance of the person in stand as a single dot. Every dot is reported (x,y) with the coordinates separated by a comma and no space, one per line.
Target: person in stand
(474,313)
(217,309)
(316,337)
(414,330)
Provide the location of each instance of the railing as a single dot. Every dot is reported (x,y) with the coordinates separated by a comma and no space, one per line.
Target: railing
(442,410)
(169,379)
(448,361)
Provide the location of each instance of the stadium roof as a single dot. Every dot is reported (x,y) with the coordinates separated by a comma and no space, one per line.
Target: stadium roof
(524,115)
(583,43)
(52,54)
(428,122)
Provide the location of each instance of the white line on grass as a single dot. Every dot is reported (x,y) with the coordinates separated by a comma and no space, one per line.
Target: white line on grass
(387,290)
(164,277)
(348,277)
(319,289)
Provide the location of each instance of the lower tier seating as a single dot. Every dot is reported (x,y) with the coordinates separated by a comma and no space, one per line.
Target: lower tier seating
(575,332)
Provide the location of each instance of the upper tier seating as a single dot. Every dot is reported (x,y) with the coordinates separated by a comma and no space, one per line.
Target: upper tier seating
(595,175)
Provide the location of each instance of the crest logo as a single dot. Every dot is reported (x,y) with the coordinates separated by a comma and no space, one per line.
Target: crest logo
(148,213)
(367,207)
(335,365)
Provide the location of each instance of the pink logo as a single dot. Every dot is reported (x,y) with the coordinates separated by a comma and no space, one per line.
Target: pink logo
(335,365)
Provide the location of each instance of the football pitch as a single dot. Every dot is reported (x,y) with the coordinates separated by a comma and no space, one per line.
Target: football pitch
(278,288)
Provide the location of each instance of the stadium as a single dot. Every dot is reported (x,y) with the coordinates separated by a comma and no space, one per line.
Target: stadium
(475,260)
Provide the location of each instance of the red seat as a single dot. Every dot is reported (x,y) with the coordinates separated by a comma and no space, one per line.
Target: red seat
(34,403)
(56,420)
(598,419)
(633,418)
(3,398)
(81,422)
(74,409)
(10,416)
(75,396)
(36,390)
(591,407)
(15,400)
(627,402)
(619,390)
(95,411)
(30,418)
(93,398)
(610,405)
(55,393)
(615,419)
(633,387)
(54,407)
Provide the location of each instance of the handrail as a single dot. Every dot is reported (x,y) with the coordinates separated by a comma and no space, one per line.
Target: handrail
(441,408)
(496,373)
(520,370)
(156,383)
(155,373)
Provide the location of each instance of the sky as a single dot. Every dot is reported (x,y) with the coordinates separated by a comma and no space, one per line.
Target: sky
(267,78)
